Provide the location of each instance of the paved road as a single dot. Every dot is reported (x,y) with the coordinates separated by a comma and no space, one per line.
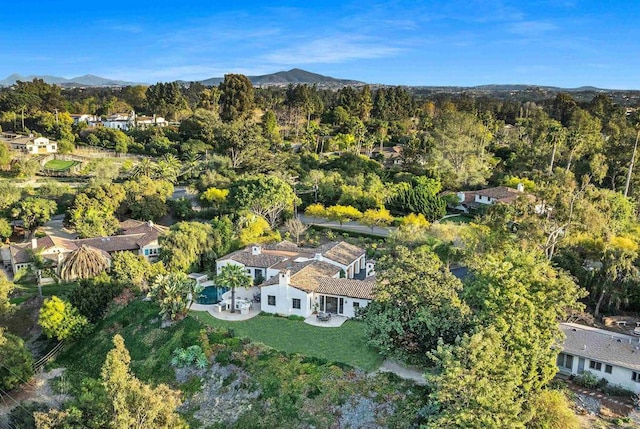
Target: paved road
(346,226)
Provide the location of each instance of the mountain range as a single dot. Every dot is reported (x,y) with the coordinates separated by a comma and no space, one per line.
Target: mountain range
(293,76)
(299,76)
(86,80)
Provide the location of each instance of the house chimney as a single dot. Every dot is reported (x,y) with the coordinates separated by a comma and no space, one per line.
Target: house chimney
(520,187)
(460,196)
(285,277)
(150,223)
(318,257)
(34,243)
(256,250)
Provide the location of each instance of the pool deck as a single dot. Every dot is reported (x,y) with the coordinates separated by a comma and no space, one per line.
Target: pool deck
(227,315)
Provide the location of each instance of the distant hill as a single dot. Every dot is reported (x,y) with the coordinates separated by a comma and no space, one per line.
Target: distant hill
(517,87)
(293,76)
(86,80)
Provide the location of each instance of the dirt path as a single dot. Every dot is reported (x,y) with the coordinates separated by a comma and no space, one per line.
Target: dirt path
(403,371)
(37,390)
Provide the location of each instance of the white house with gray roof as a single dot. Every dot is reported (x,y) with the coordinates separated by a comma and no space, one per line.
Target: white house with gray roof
(609,355)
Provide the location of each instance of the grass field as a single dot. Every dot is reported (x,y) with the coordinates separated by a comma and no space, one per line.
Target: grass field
(26,291)
(458,219)
(345,344)
(60,165)
(149,345)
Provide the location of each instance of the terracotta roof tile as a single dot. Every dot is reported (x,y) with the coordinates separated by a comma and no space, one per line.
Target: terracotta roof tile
(361,289)
(341,252)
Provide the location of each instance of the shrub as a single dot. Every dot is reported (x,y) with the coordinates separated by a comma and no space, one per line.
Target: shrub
(586,379)
(551,410)
(617,390)
(62,320)
(192,355)
(22,416)
(15,361)
(92,296)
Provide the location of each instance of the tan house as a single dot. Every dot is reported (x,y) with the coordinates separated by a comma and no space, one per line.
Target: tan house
(30,144)
(138,237)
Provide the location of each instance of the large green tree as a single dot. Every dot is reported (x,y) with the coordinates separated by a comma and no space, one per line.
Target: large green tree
(133,404)
(186,246)
(236,101)
(416,304)
(267,196)
(34,212)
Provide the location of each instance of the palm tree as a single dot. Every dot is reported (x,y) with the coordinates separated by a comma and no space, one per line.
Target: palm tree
(169,168)
(146,167)
(233,276)
(83,263)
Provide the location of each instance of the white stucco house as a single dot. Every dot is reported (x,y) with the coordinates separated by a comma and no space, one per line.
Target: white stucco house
(484,197)
(609,355)
(300,281)
(119,121)
(83,117)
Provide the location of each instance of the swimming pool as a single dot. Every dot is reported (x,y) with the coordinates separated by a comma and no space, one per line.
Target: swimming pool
(211,295)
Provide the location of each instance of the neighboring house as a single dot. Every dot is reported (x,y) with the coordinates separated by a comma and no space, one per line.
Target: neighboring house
(88,119)
(389,155)
(299,281)
(473,199)
(150,121)
(30,144)
(136,236)
(126,121)
(609,355)
(119,121)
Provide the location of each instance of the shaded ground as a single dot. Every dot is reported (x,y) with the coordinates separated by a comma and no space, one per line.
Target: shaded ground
(36,390)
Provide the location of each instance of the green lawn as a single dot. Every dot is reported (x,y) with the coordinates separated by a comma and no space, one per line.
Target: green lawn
(345,344)
(27,290)
(458,219)
(60,165)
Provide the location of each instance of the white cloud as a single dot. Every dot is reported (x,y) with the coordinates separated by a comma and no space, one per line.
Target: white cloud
(332,49)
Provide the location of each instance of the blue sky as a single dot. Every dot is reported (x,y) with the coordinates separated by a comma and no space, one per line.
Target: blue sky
(449,42)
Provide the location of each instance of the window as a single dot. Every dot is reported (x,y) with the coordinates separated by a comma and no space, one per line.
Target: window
(595,365)
(296,303)
(565,361)
(356,305)
(146,252)
(608,369)
(635,376)
(271,299)
(154,251)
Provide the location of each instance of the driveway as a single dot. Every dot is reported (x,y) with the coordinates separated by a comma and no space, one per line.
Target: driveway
(55,228)
(346,226)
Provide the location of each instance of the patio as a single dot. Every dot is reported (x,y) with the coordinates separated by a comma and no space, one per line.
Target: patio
(334,322)
(227,315)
